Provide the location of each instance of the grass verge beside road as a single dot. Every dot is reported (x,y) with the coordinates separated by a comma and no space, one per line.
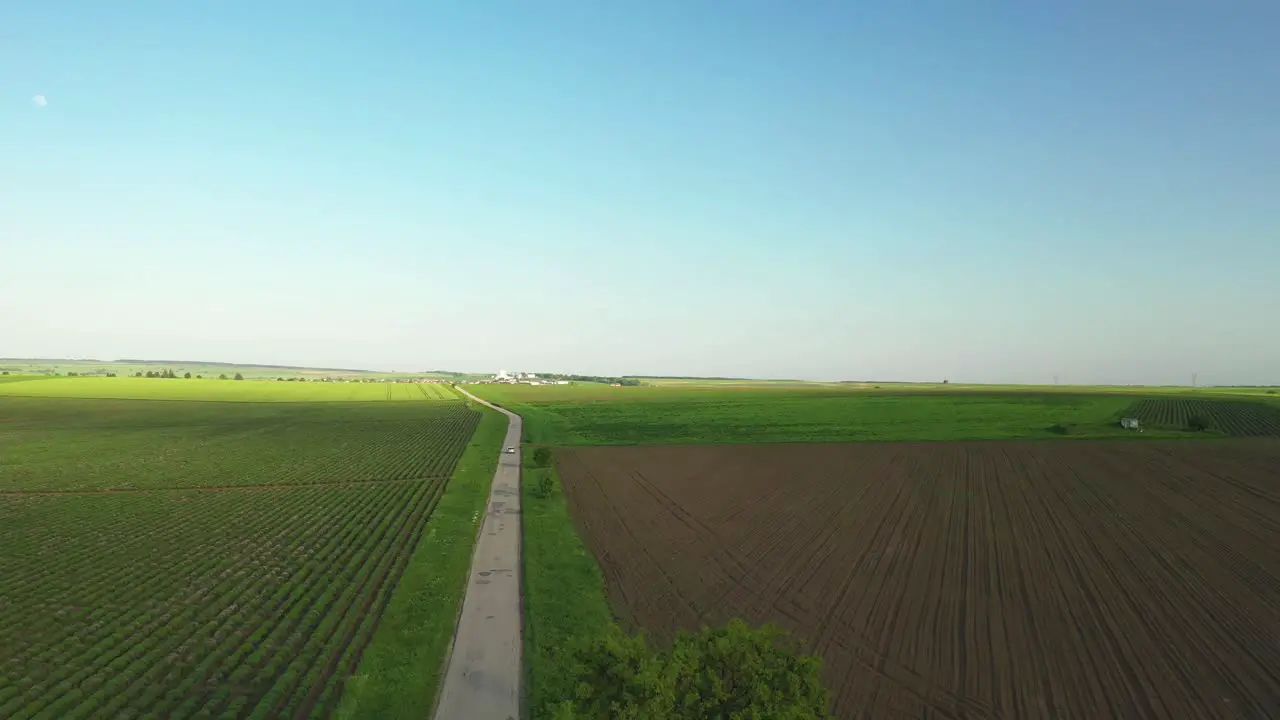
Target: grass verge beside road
(400,672)
(564,595)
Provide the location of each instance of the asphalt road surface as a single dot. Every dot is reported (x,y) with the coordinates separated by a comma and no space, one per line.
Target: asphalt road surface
(484,674)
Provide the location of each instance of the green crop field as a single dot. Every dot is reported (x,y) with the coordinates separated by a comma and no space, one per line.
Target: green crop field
(5,379)
(170,603)
(182,558)
(52,368)
(77,444)
(1229,417)
(227,390)
(604,415)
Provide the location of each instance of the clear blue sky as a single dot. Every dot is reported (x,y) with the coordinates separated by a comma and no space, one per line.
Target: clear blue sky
(980,191)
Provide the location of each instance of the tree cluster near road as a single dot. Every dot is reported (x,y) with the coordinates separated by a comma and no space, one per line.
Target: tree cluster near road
(731,671)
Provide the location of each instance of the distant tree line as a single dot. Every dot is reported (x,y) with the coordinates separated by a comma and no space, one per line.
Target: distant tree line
(161,374)
(158,374)
(627,381)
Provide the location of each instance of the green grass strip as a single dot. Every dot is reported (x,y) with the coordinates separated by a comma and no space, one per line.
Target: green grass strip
(564,594)
(400,672)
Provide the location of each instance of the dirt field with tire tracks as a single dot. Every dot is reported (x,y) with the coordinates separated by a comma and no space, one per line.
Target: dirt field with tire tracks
(963,580)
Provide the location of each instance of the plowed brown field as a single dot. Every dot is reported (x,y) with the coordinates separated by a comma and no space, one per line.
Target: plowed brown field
(963,580)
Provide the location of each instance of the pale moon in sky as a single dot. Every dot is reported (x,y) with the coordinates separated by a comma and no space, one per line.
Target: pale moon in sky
(39,101)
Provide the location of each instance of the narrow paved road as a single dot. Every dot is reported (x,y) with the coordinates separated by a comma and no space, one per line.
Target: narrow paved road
(483,679)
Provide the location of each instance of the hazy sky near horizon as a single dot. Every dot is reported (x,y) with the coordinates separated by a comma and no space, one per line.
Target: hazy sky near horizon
(980,191)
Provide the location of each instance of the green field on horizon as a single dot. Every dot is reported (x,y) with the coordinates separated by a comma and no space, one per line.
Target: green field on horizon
(604,415)
(223,390)
(77,444)
(97,368)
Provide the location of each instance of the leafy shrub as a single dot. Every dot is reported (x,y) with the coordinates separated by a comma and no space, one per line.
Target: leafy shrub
(542,457)
(544,486)
(1058,429)
(731,672)
(1197,423)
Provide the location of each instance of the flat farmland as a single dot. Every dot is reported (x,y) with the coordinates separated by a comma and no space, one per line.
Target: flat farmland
(187,559)
(592,414)
(1087,579)
(236,604)
(1242,419)
(207,389)
(76,444)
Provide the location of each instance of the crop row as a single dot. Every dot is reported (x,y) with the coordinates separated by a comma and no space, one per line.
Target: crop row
(243,603)
(436,391)
(322,447)
(1242,419)
(411,450)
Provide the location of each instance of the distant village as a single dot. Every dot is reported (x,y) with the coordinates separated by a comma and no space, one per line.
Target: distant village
(524,378)
(528,378)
